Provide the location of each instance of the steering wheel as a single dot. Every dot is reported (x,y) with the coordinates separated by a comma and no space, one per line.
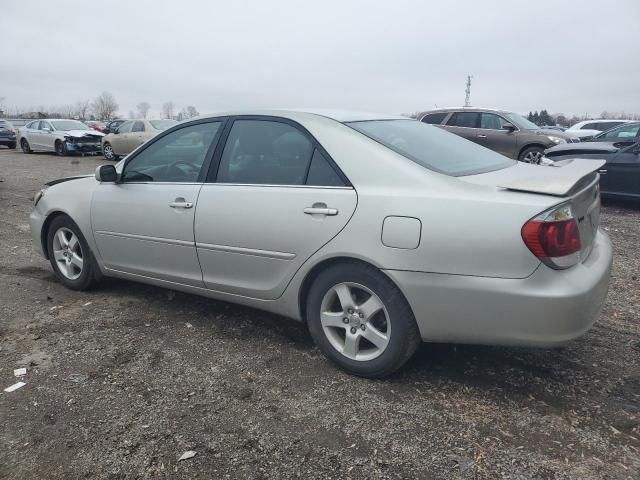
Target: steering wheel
(174,170)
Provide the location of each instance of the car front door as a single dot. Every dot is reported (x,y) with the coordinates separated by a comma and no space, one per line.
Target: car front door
(118,140)
(491,134)
(46,136)
(276,199)
(465,124)
(143,224)
(621,174)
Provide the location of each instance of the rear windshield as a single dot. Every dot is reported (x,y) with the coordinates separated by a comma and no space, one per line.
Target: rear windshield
(162,124)
(433,147)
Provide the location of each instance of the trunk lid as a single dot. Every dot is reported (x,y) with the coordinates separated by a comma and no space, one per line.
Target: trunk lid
(574,181)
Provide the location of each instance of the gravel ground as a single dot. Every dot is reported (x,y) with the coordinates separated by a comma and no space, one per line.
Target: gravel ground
(123,380)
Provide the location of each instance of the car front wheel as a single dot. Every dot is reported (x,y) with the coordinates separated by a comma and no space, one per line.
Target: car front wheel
(109,154)
(61,148)
(24,145)
(532,155)
(70,255)
(360,320)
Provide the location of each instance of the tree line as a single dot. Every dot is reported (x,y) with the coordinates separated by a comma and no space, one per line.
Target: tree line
(543,118)
(103,107)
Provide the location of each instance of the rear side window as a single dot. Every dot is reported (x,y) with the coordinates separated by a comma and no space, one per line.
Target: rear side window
(432,147)
(589,126)
(464,119)
(435,118)
(138,127)
(321,173)
(604,126)
(125,127)
(265,152)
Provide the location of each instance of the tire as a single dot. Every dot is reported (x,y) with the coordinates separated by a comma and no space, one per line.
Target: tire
(532,155)
(108,153)
(24,145)
(340,332)
(64,253)
(61,148)
(12,146)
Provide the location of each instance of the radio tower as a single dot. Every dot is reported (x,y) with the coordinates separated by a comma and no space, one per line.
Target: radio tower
(467,91)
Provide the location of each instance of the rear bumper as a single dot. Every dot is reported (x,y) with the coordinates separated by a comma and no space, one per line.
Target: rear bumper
(548,308)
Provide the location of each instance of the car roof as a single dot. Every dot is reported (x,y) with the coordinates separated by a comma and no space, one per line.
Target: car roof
(337,115)
(464,109)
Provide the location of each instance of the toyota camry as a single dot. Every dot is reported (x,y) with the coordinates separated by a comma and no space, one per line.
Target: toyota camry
(376,231)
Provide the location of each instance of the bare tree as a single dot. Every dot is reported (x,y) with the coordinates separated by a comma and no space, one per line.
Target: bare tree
(191,111)
(167,109)
(105,106)
(143,109)
(82,109)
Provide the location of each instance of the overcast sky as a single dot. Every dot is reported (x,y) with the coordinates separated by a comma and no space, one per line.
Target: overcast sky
(388,56)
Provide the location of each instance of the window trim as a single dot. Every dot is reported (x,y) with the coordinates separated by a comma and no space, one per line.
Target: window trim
(207,159)
(214,167)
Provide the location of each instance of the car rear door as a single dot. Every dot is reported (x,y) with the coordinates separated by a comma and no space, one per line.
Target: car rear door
(34,135)
(465,124)
(143,224)
(621,174)
(119,140)
(274,198)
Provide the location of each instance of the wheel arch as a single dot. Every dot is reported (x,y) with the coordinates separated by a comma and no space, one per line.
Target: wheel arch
(313,273)
(44,232)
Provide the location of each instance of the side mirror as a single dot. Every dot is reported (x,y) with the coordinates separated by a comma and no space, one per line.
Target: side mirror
(509,126)
(106,173)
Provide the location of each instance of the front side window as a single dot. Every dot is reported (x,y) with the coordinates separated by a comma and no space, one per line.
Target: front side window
(125,127)
(45,126)
(464,119)
(589,126)
(491,121)
(604,126)
(138,127)
(176,157)
(265,152)
(432,147)
(435,118)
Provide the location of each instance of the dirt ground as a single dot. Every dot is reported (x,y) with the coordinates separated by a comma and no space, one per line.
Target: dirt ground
(123,380)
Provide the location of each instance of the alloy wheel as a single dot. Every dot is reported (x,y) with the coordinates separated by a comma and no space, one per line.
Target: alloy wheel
(532,157)
(355,321)
(67,253)
(107,151)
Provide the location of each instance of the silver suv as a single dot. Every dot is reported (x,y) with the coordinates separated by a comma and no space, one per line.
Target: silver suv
(504,132)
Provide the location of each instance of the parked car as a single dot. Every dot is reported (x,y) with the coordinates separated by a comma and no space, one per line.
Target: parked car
(590,128)
(112,125)
(376,231)
(59,135)
(620,148)
(504,132)
(7,134)
(99,126)
(130,134)
(18,122)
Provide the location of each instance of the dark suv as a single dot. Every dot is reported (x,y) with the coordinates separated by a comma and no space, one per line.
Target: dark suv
(504,132)
(7,134)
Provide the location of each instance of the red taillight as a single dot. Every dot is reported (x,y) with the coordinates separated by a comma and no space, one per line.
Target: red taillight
(554,238)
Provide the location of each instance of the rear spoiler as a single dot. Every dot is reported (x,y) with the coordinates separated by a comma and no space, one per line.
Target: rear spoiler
(557,179)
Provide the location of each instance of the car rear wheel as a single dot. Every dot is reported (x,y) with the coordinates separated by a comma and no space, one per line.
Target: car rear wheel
(109,154)
(24,145)
(532,155)
(69,254)
(360,320)
(61,148)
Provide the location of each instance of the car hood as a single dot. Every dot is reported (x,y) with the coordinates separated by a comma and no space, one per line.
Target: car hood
(585,147)
(83,133)
(555,133)
(557,179)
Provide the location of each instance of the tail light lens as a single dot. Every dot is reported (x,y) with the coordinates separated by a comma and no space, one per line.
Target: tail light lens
(554,237)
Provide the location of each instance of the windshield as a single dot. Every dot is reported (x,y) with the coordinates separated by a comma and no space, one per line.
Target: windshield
(432,147)
(521,122)
(69,125)
(625,132)
(162,124)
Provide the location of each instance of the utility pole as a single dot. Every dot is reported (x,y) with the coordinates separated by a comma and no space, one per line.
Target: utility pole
(467,91)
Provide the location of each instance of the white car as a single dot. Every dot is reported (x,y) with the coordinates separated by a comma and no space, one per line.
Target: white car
(591,128)
(376,230)
(60,136)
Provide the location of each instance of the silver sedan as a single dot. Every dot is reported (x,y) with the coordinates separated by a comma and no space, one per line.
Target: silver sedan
(377,231)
